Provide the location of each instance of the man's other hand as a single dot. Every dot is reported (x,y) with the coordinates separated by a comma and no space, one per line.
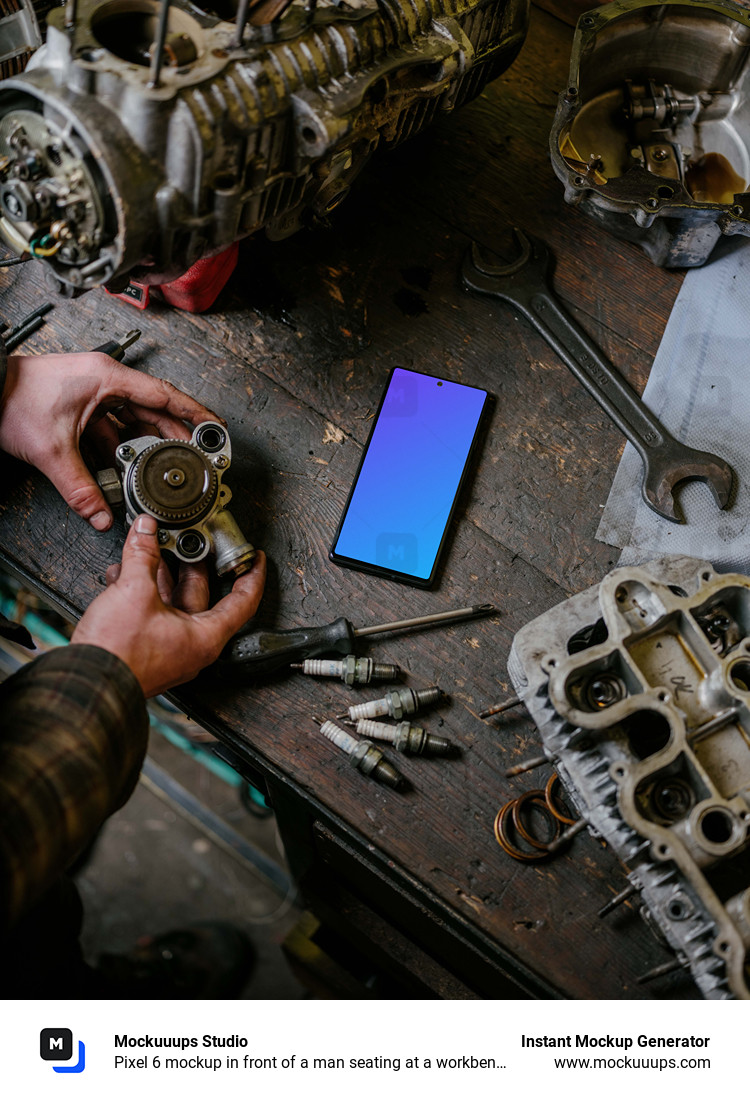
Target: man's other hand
(166,634)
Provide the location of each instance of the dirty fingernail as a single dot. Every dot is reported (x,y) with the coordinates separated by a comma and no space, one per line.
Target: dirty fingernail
(145,525)
(101,521)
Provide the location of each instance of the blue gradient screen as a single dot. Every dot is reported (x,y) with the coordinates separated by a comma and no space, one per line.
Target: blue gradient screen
(408,481)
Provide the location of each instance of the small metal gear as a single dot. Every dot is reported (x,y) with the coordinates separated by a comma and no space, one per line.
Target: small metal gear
(174,481)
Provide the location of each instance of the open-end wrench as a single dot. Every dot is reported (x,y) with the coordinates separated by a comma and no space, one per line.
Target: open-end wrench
(526,284)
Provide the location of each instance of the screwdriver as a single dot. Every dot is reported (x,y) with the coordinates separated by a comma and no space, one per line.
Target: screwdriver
(116,349)
(265,651)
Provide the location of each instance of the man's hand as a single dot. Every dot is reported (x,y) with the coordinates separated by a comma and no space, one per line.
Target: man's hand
(50,401)
(166,636)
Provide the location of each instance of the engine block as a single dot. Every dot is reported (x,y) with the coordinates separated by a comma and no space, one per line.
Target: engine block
(108,170)
(640,687)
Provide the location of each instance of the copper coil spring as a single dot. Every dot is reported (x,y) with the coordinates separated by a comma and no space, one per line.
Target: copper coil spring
(514,814)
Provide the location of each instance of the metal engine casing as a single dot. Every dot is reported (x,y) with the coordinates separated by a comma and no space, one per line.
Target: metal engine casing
(652,136)
(640,688)
(118,177)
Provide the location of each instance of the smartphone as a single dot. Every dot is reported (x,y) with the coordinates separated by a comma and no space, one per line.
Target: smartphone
(410,476)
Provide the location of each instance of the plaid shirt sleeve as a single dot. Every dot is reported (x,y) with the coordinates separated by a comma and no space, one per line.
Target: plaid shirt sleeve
(73,738)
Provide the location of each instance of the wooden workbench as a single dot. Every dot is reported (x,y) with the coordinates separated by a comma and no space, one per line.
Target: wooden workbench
(295,356)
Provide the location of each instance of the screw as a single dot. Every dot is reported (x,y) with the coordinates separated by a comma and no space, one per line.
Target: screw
(397,703)
(661,971)
(618,899)
(351,669)
(565,838)
(526,765)
(659,153)
(362,754)
(125,452)
(163,536)
(412,740)
(514,701)
(221,462)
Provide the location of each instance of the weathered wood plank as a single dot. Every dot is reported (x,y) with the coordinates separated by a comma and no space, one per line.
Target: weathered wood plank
(295,356)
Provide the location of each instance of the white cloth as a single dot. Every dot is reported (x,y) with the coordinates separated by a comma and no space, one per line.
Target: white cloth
(699,387)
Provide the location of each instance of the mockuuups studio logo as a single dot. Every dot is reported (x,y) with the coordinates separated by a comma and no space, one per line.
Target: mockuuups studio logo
(56,1045)
(397,550)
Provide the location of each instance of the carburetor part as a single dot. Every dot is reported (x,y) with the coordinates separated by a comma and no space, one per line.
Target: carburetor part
(640,688)
(134,145)
(411,740)
(350,669)
(363,755)
(652,136)
(398,703)
(180,484)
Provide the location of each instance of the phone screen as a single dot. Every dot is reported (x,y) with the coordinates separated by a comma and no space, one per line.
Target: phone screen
(400,506)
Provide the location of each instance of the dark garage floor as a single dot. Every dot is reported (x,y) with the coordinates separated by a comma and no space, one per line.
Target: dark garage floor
(153,870)
(183,849)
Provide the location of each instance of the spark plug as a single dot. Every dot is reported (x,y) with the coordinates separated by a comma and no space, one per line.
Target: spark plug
(412,740)
(363,755)
(350,669)
(397,703)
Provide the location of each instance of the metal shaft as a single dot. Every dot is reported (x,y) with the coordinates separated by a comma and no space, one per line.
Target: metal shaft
(241,20)
(526,766)
(157,55)
(661,971)
(20,334)
(567,836)
(425,620)
(617,900)
(40,311)
(514,701)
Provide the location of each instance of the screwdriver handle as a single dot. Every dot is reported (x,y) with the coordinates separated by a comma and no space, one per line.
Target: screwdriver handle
(262,651)
(112,348)
(116,349)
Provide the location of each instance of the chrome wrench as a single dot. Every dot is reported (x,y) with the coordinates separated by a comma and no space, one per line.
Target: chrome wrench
(526,284)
